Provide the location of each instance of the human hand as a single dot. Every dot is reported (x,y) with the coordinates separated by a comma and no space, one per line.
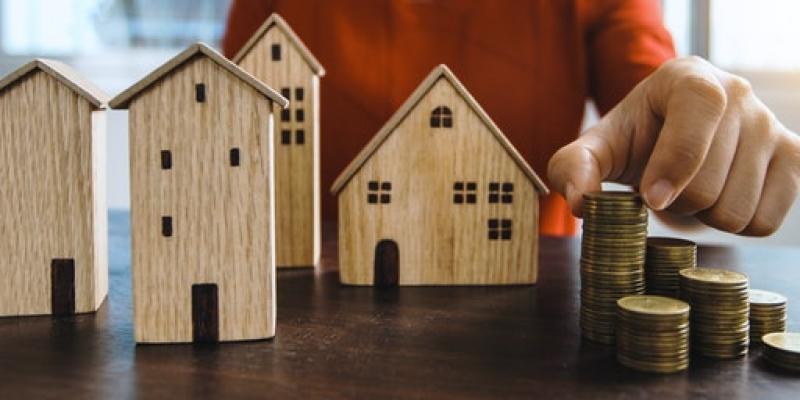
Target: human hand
(696,141)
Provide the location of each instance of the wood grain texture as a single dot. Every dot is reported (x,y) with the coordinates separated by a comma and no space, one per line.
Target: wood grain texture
(223,230)
(440,243)
(297,174)
(50,207)
(339,342)
(123,99)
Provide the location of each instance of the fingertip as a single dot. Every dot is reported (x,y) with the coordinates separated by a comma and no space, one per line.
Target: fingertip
(660,194)
(574,199)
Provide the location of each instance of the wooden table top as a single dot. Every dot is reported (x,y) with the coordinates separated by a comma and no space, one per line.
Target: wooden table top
(354,342)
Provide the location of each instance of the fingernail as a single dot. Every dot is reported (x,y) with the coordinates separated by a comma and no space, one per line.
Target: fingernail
(660,194)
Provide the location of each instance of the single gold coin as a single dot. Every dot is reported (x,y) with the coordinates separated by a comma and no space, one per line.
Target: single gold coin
(763,297)
(786,342)
(714,275)
(648,304)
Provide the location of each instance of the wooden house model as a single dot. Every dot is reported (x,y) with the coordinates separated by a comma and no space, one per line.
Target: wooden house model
(438,197)
(202,201)
(52,192)
(276,56)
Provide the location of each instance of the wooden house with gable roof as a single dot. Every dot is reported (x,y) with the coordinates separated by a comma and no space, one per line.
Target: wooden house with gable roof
(438,197)
(52,200)
(202,201)
(276,56)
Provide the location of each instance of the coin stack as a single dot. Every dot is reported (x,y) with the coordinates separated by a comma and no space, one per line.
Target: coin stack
(720,308)
(665,257)
(612,258)
(653,333)
(767,314)
(783,350)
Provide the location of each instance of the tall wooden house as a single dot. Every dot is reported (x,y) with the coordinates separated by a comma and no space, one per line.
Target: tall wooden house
(276,56)
(202,201)
(438,197)
(52,192)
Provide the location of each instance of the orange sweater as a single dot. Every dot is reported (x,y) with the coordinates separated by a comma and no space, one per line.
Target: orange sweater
(531,64)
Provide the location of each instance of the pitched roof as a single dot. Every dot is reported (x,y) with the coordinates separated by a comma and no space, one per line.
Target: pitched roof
(64,74)
(439,72)
(276,20)
(123,99)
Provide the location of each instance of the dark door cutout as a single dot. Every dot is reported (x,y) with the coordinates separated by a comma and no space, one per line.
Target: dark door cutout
(205,313)
(62,286)
(387,264)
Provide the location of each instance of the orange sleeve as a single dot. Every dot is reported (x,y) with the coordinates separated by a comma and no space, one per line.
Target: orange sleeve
(244,17)
(626,41)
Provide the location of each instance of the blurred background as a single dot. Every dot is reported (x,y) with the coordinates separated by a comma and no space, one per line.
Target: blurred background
(116,42)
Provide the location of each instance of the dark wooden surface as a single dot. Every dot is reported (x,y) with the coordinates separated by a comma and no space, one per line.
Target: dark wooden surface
(347,342)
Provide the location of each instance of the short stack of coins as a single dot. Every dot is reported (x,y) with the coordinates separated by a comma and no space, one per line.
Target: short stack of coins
(720,311)
(653,333)
(783,349)
(612,259)
(767,314)
(665,258)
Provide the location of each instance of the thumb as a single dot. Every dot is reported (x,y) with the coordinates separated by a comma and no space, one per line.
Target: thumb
(581,166)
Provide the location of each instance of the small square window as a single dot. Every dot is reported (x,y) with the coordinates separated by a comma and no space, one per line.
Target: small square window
(166,226)
(300,136)
(447,122)
(299,94)
(286,136)
(495,196)
(300,115)
(436,122)
(286,92)
(200,92)
(286,115)
(465,192)
(379,192)
(499,229)
(276,52)
(235,157)
(166,159)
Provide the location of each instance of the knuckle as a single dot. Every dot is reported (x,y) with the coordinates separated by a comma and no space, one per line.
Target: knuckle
(727,219)
(763,125)
(685,153)
(701,197)
(706,89)
(738,88)
(762,226)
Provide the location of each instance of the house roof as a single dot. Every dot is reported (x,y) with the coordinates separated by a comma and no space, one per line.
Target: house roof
(277,20)
(123,99)
(444,73)
(64,74)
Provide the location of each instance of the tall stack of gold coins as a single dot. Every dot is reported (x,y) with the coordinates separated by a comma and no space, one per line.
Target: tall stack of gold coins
(653,333)
(665,258)
(783,349)
(720,311)
(767,313)
(612,258)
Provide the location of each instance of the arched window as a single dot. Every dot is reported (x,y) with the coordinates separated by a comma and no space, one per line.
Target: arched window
(441,117)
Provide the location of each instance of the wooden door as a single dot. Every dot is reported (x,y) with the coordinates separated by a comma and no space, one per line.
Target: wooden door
(205,313)
(387,264)
(62,286)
